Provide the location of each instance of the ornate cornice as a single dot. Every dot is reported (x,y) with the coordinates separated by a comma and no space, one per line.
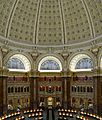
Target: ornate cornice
(72,46)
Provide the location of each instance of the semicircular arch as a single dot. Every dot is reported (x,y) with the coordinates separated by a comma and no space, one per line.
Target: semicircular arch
(100,59)
(54,59)
(75,58)
(21,57)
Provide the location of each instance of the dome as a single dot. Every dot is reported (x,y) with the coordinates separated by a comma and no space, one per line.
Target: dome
(47,24)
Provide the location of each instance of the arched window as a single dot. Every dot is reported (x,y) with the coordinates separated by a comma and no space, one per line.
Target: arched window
(84,63)
(15,63)
(18,62)
(50,64)
(81,62)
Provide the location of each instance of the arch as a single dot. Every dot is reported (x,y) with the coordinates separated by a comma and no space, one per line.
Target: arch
(21,59)
(49,64)
(77,59)
(100,59)
(59,57)
(1,58)
(101,63)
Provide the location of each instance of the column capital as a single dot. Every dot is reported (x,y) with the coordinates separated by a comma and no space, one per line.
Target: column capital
(4,71)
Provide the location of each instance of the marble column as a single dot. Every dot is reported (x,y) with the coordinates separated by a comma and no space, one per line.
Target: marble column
(33,89)
(3,91)
(65,89)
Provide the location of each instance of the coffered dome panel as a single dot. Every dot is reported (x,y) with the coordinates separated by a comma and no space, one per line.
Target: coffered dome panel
(22,25)
(77,26)
(95,11)
(5,9)
(50,28)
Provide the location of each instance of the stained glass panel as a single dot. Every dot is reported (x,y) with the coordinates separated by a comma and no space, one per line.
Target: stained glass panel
(84,63)
(15,63)
(49,65)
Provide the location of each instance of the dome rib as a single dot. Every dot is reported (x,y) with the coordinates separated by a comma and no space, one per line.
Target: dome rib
(37,21)
(10,18)
(92,30)
(63,22)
